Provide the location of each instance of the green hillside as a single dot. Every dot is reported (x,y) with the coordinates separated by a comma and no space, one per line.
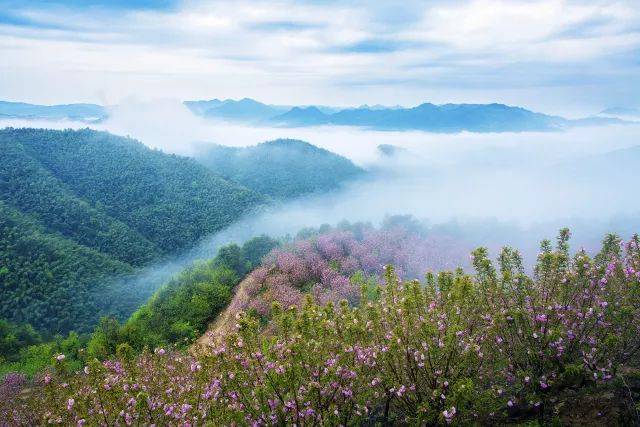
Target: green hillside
(47,280)
(33,189)
(79,207)
(170,200)
(180,311)
(282,169)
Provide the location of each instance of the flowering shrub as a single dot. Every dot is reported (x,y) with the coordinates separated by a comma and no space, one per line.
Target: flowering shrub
(10,387)
(576,319)
(458,349)
(325,264)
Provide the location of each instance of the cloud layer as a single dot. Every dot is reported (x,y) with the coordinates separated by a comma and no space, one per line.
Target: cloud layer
(561,56)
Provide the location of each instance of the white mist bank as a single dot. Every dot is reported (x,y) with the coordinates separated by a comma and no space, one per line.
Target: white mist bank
(491,189)
(287,219)
(507,176)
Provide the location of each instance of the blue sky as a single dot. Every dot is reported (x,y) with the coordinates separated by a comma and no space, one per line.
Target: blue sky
(560,56)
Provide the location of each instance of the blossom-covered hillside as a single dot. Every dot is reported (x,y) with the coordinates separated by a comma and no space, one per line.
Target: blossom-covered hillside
(332,264)
(497,346)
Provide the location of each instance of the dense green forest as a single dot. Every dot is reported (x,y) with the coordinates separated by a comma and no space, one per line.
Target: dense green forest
(170,200)
(13,338)
(48,280)
(78,209)
(28,186)
(82,210)
(176,314)
(23,350)
(282,169)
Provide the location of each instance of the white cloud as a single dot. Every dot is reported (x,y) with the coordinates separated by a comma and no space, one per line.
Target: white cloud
(312,52)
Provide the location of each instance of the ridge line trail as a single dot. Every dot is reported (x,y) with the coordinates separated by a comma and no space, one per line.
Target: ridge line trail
(225,321)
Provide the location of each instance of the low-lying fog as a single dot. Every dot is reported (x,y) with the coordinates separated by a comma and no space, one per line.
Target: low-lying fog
(508,187)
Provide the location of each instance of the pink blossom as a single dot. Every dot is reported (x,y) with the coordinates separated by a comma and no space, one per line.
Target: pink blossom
(449,414)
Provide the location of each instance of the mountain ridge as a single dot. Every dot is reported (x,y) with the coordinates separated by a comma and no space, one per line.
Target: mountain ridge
(81,111)
(281,168)
(438,118)
(429,117)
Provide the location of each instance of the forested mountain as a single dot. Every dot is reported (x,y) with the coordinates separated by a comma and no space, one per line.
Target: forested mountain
(50,281)
(78,207)
(245,109)
(282,168)
(170,200)
(81,112)
(30,187)
(82,210)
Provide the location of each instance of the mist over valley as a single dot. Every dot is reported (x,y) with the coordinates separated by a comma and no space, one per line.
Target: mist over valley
(319,213)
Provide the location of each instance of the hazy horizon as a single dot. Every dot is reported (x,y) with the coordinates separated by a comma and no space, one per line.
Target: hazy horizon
(570,57)
(437,177)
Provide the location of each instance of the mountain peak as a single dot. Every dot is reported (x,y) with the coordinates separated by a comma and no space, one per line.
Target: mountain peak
(302,116)
(248,101)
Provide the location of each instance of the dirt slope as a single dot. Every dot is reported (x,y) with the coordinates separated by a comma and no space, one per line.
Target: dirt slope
(225,322)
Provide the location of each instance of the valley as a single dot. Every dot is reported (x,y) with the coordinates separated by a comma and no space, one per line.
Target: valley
(118,207)
(318,213)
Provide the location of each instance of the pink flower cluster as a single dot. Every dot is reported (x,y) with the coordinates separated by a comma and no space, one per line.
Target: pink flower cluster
(324,265)
(484,349)
(580,312)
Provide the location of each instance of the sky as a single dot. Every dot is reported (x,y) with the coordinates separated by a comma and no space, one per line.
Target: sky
(570,57)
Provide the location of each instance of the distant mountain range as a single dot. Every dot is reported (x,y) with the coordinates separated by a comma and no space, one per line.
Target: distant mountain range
(621,112)
(77,112)
(426,117)
(245,109)
(445,118)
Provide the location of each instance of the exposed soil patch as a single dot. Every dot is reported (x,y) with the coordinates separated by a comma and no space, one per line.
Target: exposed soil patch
(225,321)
